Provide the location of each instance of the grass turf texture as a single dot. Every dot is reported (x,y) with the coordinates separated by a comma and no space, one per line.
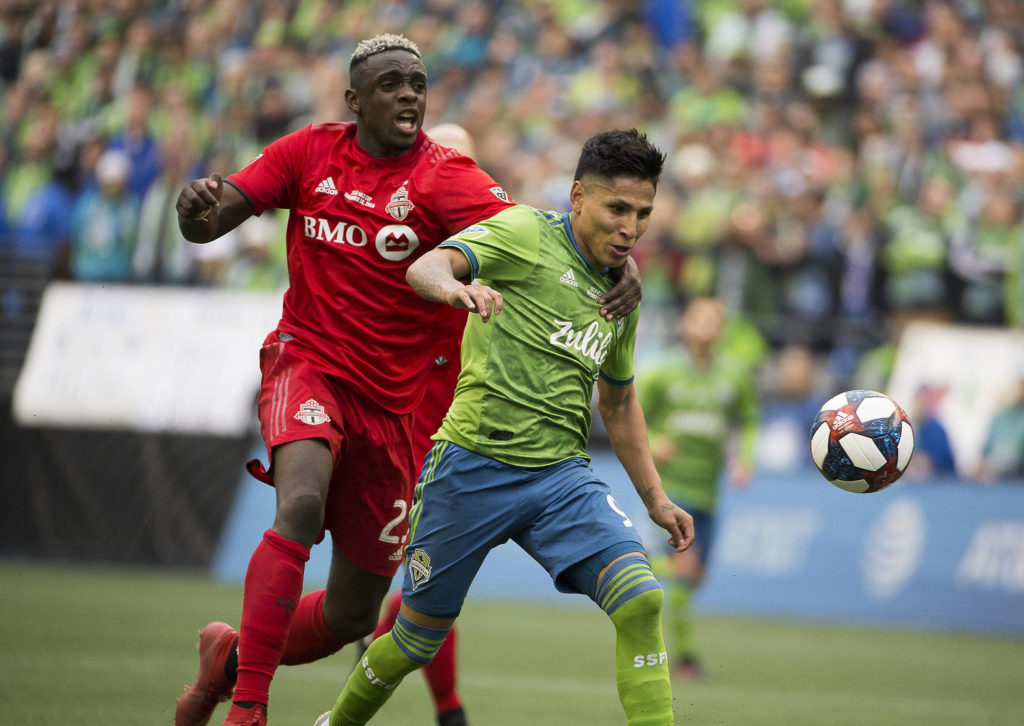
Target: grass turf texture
(94,645)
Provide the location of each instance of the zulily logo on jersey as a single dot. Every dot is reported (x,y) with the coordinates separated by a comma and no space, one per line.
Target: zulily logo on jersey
(591,342)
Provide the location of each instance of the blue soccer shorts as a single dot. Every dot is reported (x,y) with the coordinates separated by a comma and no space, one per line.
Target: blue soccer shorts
(466,504)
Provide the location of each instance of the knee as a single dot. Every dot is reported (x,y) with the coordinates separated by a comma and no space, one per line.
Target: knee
(640,611)
(300,516)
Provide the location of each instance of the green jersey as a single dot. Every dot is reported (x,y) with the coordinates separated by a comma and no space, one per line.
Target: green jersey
(527,377)
(697,409)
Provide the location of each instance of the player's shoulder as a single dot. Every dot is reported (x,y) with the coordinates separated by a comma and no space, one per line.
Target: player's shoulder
(311,137)
(332,128)
(438,153)
(328,135)
(521,217)
(448,167)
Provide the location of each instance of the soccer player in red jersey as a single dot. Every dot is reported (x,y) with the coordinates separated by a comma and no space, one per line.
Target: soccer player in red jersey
(344,370)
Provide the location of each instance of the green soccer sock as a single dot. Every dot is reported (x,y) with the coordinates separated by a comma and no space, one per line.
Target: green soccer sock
(680,617)
(388,660)
(641,665)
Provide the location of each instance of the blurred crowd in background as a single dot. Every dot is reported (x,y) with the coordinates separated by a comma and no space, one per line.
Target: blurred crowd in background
(835,167)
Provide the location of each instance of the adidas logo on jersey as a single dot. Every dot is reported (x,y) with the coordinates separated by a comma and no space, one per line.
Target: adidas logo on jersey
(569,278)
(326,187)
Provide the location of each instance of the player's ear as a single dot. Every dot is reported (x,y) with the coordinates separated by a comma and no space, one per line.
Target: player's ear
(352,100)
(576,194)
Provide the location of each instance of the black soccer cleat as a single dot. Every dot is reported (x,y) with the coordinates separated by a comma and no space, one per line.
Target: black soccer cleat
(452,717)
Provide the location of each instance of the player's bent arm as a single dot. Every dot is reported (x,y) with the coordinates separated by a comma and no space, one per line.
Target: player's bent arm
(624,420)
(208,208)
(435,276)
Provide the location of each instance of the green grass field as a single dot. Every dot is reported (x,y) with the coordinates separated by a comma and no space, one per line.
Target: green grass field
(100,646)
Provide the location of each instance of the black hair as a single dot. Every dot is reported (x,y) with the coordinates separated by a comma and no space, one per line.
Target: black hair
(616,153)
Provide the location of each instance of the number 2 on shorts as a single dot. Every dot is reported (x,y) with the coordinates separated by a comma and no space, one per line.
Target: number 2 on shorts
(385,534)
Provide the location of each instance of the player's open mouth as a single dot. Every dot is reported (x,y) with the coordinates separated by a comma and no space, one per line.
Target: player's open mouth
(406,120)
(621,250)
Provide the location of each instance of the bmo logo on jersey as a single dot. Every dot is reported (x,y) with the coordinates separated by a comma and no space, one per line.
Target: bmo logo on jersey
(396,242)
(341,233)
(393,242)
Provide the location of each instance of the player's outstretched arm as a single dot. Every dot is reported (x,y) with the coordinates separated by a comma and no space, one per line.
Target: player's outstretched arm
(624,420)
(435,276)
(208,208)
(625,295)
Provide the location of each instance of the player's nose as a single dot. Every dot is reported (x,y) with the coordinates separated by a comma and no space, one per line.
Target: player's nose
(629,227)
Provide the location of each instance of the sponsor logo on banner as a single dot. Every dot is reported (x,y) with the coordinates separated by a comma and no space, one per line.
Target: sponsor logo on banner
(893,548)
(767,541)
(994,559)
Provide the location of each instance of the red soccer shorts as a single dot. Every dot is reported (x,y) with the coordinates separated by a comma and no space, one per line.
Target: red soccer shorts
(374,470)
(437,398)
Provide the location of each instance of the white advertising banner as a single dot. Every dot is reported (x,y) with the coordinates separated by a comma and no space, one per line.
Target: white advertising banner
(145,358)
(978,367)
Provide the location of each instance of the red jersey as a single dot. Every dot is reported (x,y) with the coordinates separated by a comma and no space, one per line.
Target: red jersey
(355,225)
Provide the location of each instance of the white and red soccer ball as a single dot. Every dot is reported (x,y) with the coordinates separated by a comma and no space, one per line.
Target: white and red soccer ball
(861,441)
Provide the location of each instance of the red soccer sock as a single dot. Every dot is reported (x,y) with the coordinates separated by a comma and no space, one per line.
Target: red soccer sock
(309,638)
(440,676)
(273,584)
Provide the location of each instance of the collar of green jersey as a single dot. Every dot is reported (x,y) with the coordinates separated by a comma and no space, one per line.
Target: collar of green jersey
(572,238)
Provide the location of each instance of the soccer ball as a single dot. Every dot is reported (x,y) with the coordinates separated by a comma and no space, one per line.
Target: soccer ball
(861,441)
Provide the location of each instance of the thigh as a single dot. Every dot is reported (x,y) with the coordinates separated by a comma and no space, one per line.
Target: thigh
(371,491)
(465,505)
(302,476)
(578,517)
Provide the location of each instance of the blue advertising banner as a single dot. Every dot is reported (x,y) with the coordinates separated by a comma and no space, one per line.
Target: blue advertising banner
(942,554)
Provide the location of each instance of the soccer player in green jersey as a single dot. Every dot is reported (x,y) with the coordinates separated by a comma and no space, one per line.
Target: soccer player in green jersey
(694,398)
(510,461)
